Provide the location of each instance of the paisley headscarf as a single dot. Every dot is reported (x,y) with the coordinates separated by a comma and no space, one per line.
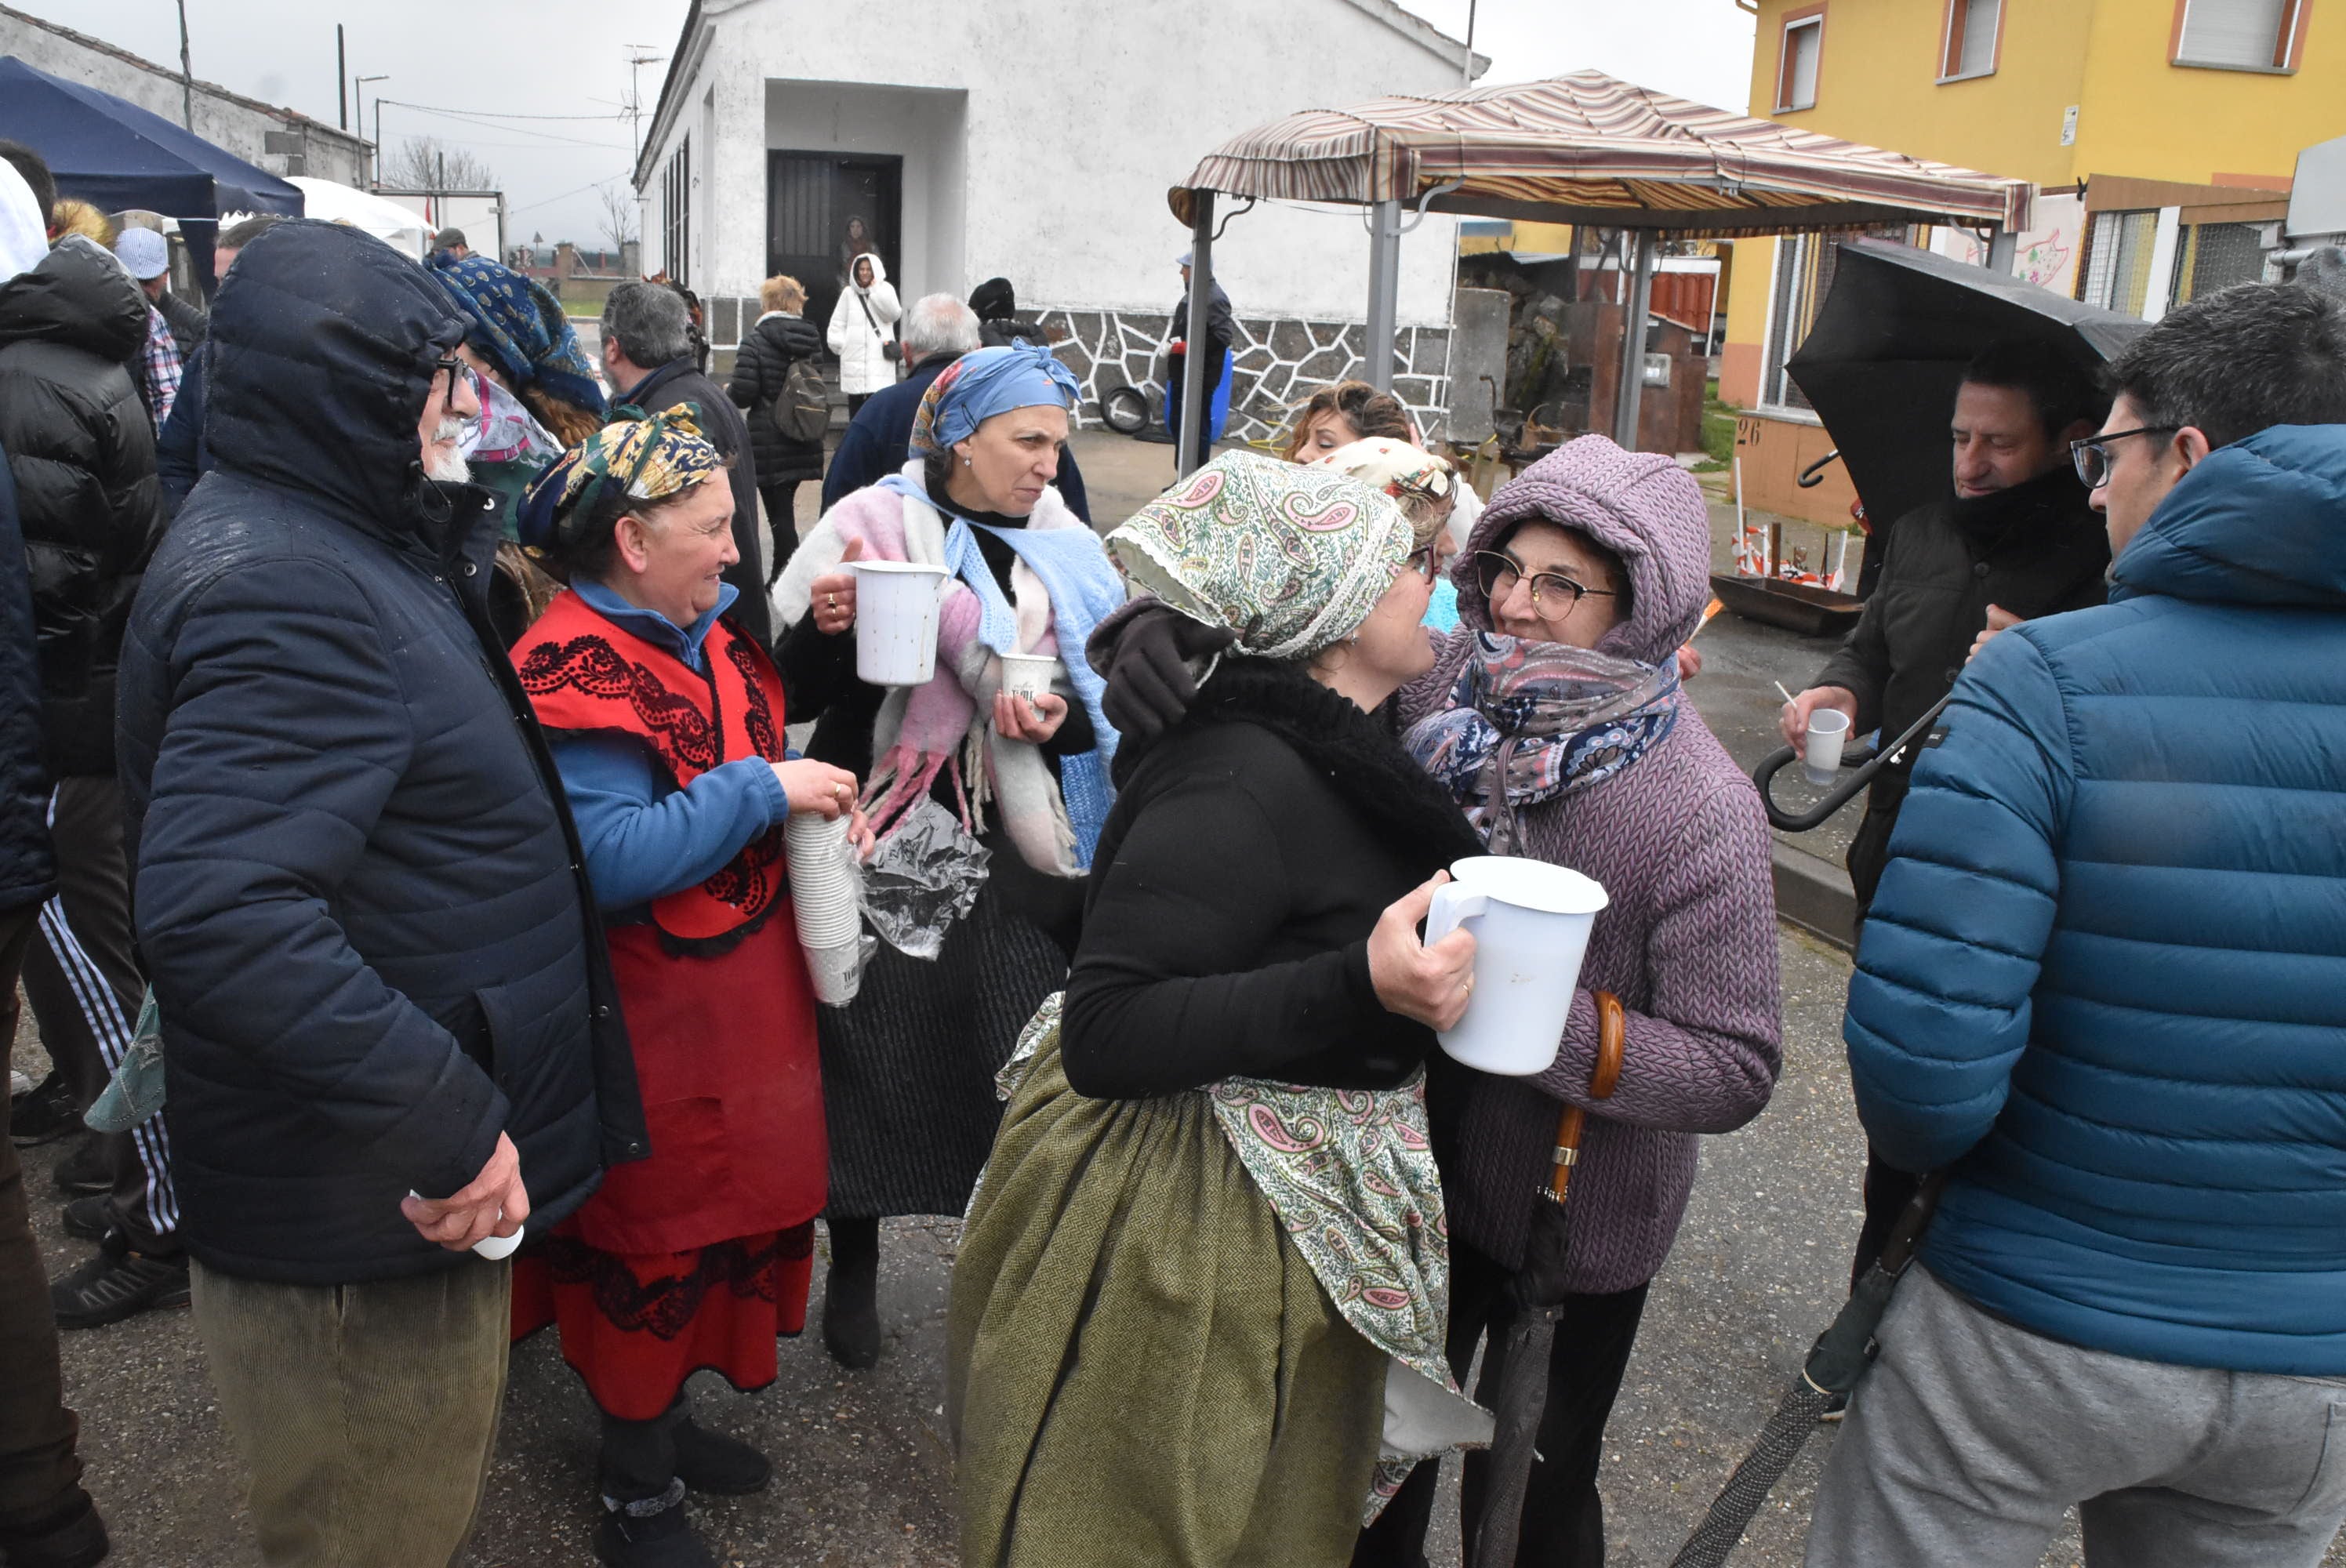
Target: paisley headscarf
(1291,557)
(517,325)
(987,381)
(642,457)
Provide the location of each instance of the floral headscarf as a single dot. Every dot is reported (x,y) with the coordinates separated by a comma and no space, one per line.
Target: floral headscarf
(642,457)
(1291,557)
(987,381)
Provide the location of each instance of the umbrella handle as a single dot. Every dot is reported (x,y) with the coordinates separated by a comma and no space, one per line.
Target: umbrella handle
(1814,474)
(1858,769)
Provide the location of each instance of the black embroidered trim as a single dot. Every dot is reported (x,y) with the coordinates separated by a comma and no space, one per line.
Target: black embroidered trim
(593,667)
(760,719)
(665,1307)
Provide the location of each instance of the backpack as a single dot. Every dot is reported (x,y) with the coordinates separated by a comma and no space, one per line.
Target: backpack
(801,410)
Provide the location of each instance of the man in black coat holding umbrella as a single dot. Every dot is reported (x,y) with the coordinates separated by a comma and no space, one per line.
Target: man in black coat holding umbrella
(2014,540)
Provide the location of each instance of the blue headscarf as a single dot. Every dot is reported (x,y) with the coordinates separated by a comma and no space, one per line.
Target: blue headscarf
(517,325)
(980,385)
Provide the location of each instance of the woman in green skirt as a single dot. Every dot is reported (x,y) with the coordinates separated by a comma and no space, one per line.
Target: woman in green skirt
(1198,1309)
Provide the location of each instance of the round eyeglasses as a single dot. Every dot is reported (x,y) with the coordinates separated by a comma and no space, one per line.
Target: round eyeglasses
(2092,455)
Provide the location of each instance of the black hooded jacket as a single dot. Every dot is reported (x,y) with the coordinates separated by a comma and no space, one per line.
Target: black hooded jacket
(82,449)
(995,302)
(767,350)
(358,891)
(28,868)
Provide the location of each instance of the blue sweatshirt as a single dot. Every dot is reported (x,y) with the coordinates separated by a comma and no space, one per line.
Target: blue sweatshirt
(643,838)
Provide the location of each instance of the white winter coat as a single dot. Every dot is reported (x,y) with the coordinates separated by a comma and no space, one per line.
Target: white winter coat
(865,366)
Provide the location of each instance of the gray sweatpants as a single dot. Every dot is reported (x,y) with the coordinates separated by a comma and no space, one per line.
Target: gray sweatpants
(1969,1438)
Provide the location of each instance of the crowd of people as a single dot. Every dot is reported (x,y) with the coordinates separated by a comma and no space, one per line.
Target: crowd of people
(400,700)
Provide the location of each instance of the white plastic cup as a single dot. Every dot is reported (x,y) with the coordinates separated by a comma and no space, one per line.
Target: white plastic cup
(823,881)
(896,621)
(837,972)
(495,1248)
(1531,923)
(1029,674)
(1827,733)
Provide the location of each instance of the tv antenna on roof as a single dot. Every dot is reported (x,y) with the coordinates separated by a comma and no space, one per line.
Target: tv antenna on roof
(638,56)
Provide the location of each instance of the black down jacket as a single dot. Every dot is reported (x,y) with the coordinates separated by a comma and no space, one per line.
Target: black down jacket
(28,869)
(82,449)
(766,355)
(358,891)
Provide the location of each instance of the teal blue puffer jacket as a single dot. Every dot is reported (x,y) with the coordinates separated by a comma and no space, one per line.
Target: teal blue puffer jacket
(2105,978)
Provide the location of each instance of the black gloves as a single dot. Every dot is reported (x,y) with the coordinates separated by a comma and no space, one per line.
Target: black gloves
(1141,652)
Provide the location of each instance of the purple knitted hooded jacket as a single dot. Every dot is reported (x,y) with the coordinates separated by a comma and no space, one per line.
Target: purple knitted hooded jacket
(1688,941)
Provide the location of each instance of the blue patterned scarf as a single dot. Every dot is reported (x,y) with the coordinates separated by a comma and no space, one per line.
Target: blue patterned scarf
(1530,720)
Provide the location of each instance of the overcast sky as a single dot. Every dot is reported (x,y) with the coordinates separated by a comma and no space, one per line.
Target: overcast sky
(570,57)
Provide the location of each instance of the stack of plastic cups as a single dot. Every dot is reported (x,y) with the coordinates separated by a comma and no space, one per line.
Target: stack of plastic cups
(823,898)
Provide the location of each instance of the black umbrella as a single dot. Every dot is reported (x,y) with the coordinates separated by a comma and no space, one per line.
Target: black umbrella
(1881,363)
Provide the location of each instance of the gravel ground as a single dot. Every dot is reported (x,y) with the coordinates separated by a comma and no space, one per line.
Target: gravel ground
(864,1471)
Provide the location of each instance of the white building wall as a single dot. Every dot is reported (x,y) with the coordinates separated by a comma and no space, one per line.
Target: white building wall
(234,124)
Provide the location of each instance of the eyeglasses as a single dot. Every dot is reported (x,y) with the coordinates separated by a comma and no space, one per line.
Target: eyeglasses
(1424,563)
(1554,595)
(2092,455)
(454,368)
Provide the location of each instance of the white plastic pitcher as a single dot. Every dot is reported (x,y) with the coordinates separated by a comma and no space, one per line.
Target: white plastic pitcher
(1530,921)
(896,621)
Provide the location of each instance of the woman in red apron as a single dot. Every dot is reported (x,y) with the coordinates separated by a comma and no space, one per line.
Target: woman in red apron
(666,727)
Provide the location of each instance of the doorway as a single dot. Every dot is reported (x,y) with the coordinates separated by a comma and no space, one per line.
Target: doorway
(823,209)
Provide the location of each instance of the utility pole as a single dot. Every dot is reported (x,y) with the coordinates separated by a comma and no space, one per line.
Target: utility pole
(359,88)
(187,73)
(1466,73)
(342,79)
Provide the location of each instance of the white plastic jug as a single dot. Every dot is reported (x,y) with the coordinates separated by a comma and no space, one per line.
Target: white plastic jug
(896,621)
(1530,921)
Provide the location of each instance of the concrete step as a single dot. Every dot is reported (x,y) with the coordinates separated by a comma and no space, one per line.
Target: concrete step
(1815,895)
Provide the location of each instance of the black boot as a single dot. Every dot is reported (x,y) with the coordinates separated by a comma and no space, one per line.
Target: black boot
(717,1465)
(644,1523)
(75,1538)
(850,1309)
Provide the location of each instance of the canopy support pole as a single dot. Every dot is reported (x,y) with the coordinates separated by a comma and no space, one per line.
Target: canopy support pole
(1638,297)
(1385,294)
(1190,455)
(2002,250)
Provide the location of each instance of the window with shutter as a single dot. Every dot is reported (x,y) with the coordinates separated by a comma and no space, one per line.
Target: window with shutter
(2118,260)
(1972,26)
(2237,34)
(1796,80)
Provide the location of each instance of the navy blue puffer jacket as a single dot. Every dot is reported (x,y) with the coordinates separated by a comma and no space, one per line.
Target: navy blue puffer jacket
(2105,977)
(359,892)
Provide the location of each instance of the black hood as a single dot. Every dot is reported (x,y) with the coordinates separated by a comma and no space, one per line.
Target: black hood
(322,345)
(79,296)
(995,300)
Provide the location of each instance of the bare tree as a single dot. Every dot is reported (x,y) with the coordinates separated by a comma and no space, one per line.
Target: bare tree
(426,163)
(620,216)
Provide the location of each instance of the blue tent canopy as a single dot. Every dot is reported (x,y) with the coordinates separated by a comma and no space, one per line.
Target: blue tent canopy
(114,155)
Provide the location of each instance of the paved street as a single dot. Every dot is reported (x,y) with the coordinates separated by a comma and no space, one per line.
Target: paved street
(863,1461)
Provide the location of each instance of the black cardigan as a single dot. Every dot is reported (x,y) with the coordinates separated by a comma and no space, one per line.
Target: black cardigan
(1246,860)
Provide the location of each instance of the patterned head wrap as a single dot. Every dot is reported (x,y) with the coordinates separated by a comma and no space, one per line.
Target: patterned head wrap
(1292,557)
(641,457)
(987,381)
(519,326)
(1418,480)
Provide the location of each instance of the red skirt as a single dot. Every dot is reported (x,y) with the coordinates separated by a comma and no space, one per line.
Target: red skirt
(635,1326)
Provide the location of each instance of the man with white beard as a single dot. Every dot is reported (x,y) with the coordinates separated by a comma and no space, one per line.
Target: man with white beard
(389,1028)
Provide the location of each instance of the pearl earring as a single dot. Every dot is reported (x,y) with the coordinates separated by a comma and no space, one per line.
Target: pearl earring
(965,462)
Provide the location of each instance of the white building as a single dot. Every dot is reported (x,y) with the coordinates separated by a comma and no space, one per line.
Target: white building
(1037,141)
(277,139)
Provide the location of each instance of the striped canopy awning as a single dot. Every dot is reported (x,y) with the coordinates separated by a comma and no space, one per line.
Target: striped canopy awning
(1590,149)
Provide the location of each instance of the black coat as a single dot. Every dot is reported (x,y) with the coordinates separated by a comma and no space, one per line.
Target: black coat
(1248,855)
(677,381)
(28,869)
(82,448)
(2036,549)
(186,320)
(359,893)
(766,355)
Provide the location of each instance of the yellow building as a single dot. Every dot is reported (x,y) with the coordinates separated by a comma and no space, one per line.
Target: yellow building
(2159,130)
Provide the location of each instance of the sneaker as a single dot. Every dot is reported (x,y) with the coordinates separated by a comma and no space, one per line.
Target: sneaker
(85,1171)
(718,1465)
(1835,1407)
(45,1112)
(77,1540)
(89,1217)
(659,1537)
(117,1284)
